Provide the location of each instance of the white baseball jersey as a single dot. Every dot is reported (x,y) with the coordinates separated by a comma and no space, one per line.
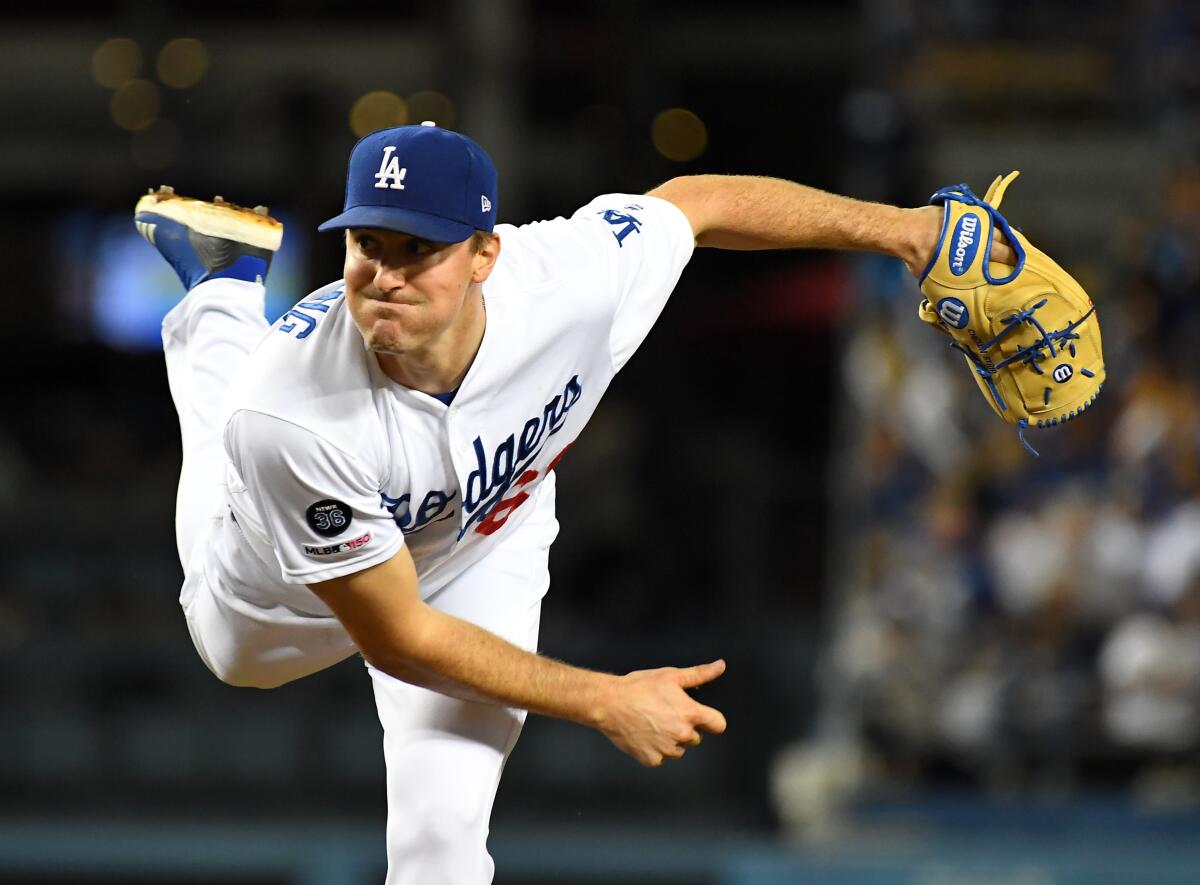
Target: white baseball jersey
(333,466)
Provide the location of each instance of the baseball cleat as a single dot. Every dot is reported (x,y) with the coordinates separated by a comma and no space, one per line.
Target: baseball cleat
(207,241)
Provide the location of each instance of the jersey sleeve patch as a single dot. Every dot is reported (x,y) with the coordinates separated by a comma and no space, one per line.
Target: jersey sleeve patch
(320,506)
(623,221)
(333,549)
(654,243)
(328,517)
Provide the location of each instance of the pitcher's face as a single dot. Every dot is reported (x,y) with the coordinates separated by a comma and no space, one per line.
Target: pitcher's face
(404,292)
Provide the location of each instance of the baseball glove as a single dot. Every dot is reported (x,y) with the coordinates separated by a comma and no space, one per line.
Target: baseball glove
(1029,333)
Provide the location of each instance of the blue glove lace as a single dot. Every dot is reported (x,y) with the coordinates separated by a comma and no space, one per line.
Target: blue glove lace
(960,193)
(1029,355)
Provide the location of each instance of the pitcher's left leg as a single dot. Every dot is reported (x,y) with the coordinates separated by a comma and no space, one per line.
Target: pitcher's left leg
(445,756)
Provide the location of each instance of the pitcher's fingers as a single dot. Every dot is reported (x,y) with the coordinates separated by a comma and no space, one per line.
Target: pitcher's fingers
(691,677)
(709,719)
(1002,252)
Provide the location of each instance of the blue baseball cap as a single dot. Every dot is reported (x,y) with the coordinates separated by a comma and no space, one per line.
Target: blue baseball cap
(421,180)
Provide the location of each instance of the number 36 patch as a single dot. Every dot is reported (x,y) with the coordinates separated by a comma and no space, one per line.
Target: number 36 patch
(328,518)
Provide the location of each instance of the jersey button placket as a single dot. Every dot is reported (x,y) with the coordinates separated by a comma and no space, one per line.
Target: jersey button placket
(460,453)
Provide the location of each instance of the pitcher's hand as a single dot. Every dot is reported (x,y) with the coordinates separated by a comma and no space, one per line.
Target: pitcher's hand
(652,717)
(924,232)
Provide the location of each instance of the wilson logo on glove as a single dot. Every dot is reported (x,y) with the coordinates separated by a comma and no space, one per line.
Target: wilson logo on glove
(966,243)
(953,312)
(1007,321)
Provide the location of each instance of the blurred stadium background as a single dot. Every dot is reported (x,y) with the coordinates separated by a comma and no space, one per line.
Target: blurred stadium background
(949,662)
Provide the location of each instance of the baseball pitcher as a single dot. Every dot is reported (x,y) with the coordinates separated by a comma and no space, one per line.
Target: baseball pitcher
(374,473)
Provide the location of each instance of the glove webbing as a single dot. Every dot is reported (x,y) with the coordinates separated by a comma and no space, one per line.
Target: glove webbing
(1029,354)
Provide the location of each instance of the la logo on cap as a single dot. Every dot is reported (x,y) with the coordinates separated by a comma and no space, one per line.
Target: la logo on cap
(390,171)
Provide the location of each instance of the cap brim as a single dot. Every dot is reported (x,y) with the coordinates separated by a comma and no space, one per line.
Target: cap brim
(405,221)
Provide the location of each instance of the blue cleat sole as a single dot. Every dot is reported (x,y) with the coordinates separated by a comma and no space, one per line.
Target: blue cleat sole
(203,241)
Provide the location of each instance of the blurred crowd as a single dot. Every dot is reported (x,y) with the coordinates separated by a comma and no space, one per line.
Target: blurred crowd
(1025,625)
(1030,626)
(999,603)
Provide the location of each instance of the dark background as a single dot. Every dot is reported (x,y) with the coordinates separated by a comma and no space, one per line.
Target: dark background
(746,469)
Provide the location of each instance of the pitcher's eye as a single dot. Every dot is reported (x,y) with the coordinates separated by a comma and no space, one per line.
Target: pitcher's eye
(366,242)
